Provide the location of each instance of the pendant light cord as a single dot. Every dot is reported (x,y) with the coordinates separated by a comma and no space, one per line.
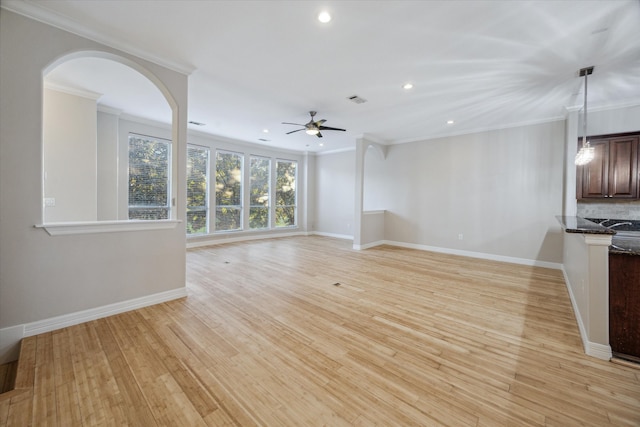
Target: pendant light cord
(584,124)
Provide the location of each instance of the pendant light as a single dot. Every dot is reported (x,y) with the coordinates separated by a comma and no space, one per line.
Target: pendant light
(586,152)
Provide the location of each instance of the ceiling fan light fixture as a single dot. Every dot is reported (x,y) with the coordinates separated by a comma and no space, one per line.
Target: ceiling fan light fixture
(312,131)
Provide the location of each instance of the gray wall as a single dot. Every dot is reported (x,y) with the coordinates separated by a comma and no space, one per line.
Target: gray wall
(334,193)
(43,276)
(500,190)
(70,156)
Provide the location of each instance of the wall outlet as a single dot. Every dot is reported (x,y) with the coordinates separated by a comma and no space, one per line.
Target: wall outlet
(49,202)
(460,236)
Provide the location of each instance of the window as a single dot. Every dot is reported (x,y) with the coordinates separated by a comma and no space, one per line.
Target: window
(149,177)
(260,177)
(197,189)
(228,191)
(286,193)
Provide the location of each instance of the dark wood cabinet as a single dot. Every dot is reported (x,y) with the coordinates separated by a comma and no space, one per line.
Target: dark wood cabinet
(613,173)
(624,306)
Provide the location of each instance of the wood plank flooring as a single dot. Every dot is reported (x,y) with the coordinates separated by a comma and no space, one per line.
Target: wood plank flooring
(305,331)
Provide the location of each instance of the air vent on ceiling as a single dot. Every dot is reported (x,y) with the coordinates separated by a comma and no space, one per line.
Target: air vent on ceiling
(191,122)
(356,99)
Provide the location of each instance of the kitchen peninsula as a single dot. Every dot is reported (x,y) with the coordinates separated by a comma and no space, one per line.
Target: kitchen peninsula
(586,271)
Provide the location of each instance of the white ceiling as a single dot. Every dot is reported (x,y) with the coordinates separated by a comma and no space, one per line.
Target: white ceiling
(483,64)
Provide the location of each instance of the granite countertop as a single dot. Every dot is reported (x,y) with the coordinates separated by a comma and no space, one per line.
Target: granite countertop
(625,245)
(627,242)
(575,224)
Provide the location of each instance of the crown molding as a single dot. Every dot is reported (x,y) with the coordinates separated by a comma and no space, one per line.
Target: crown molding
(39,12)
(480,130)
(83,93)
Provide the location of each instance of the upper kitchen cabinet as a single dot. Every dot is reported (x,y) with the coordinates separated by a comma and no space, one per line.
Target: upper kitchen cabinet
(613,172)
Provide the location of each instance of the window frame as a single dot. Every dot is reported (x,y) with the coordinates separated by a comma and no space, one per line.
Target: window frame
(295,205)
(240,207)
(206,208)
(169,180)
(269,192)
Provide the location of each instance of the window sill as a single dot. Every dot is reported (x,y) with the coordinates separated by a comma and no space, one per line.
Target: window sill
(92,227)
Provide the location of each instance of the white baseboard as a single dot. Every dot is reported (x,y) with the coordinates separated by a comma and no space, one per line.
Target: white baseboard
(598,350)
(368,245)
(10,337)
(334,235)
(10,343)
(593,349)
(480,255)
(240,238)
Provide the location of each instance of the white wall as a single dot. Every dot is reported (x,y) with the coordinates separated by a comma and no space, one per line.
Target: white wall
(613,120)
(43,276)
(107,166)
(500,190)
(375,184)
(334,192)
(586,270)
(70,156)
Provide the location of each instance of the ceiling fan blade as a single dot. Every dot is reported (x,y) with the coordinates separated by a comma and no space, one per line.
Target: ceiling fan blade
(330,128)
(319,122)
(297,130)
(297,124)
(319,135)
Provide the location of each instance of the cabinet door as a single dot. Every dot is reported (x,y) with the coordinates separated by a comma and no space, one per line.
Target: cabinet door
(595,174)
(624,305)
(623,168)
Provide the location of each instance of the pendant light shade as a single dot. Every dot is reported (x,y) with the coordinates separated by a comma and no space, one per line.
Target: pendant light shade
(586,152)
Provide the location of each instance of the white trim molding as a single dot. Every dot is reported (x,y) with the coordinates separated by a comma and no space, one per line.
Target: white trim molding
(218,239)
(334,235)
(40,12)
(368,245)
(10,337)
(480,255)
(92,227)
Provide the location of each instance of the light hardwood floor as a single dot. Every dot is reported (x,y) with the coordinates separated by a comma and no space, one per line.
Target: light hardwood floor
(307,332)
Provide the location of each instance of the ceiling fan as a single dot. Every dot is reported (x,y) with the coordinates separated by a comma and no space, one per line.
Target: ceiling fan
(313,127)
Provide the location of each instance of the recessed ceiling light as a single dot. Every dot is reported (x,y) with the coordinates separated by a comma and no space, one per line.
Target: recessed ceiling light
(321,144)
(265,130)
(450,122)
(324,17)
(407,86)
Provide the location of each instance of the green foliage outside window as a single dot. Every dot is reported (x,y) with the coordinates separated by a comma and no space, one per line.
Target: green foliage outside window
(259,193)
(285,193)
(197,188)
(148,177)
(228,191)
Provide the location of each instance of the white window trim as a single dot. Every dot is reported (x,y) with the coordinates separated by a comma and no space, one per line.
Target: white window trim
(270,194)
(171,212)
(240,207)
(275,204)
(207,207)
